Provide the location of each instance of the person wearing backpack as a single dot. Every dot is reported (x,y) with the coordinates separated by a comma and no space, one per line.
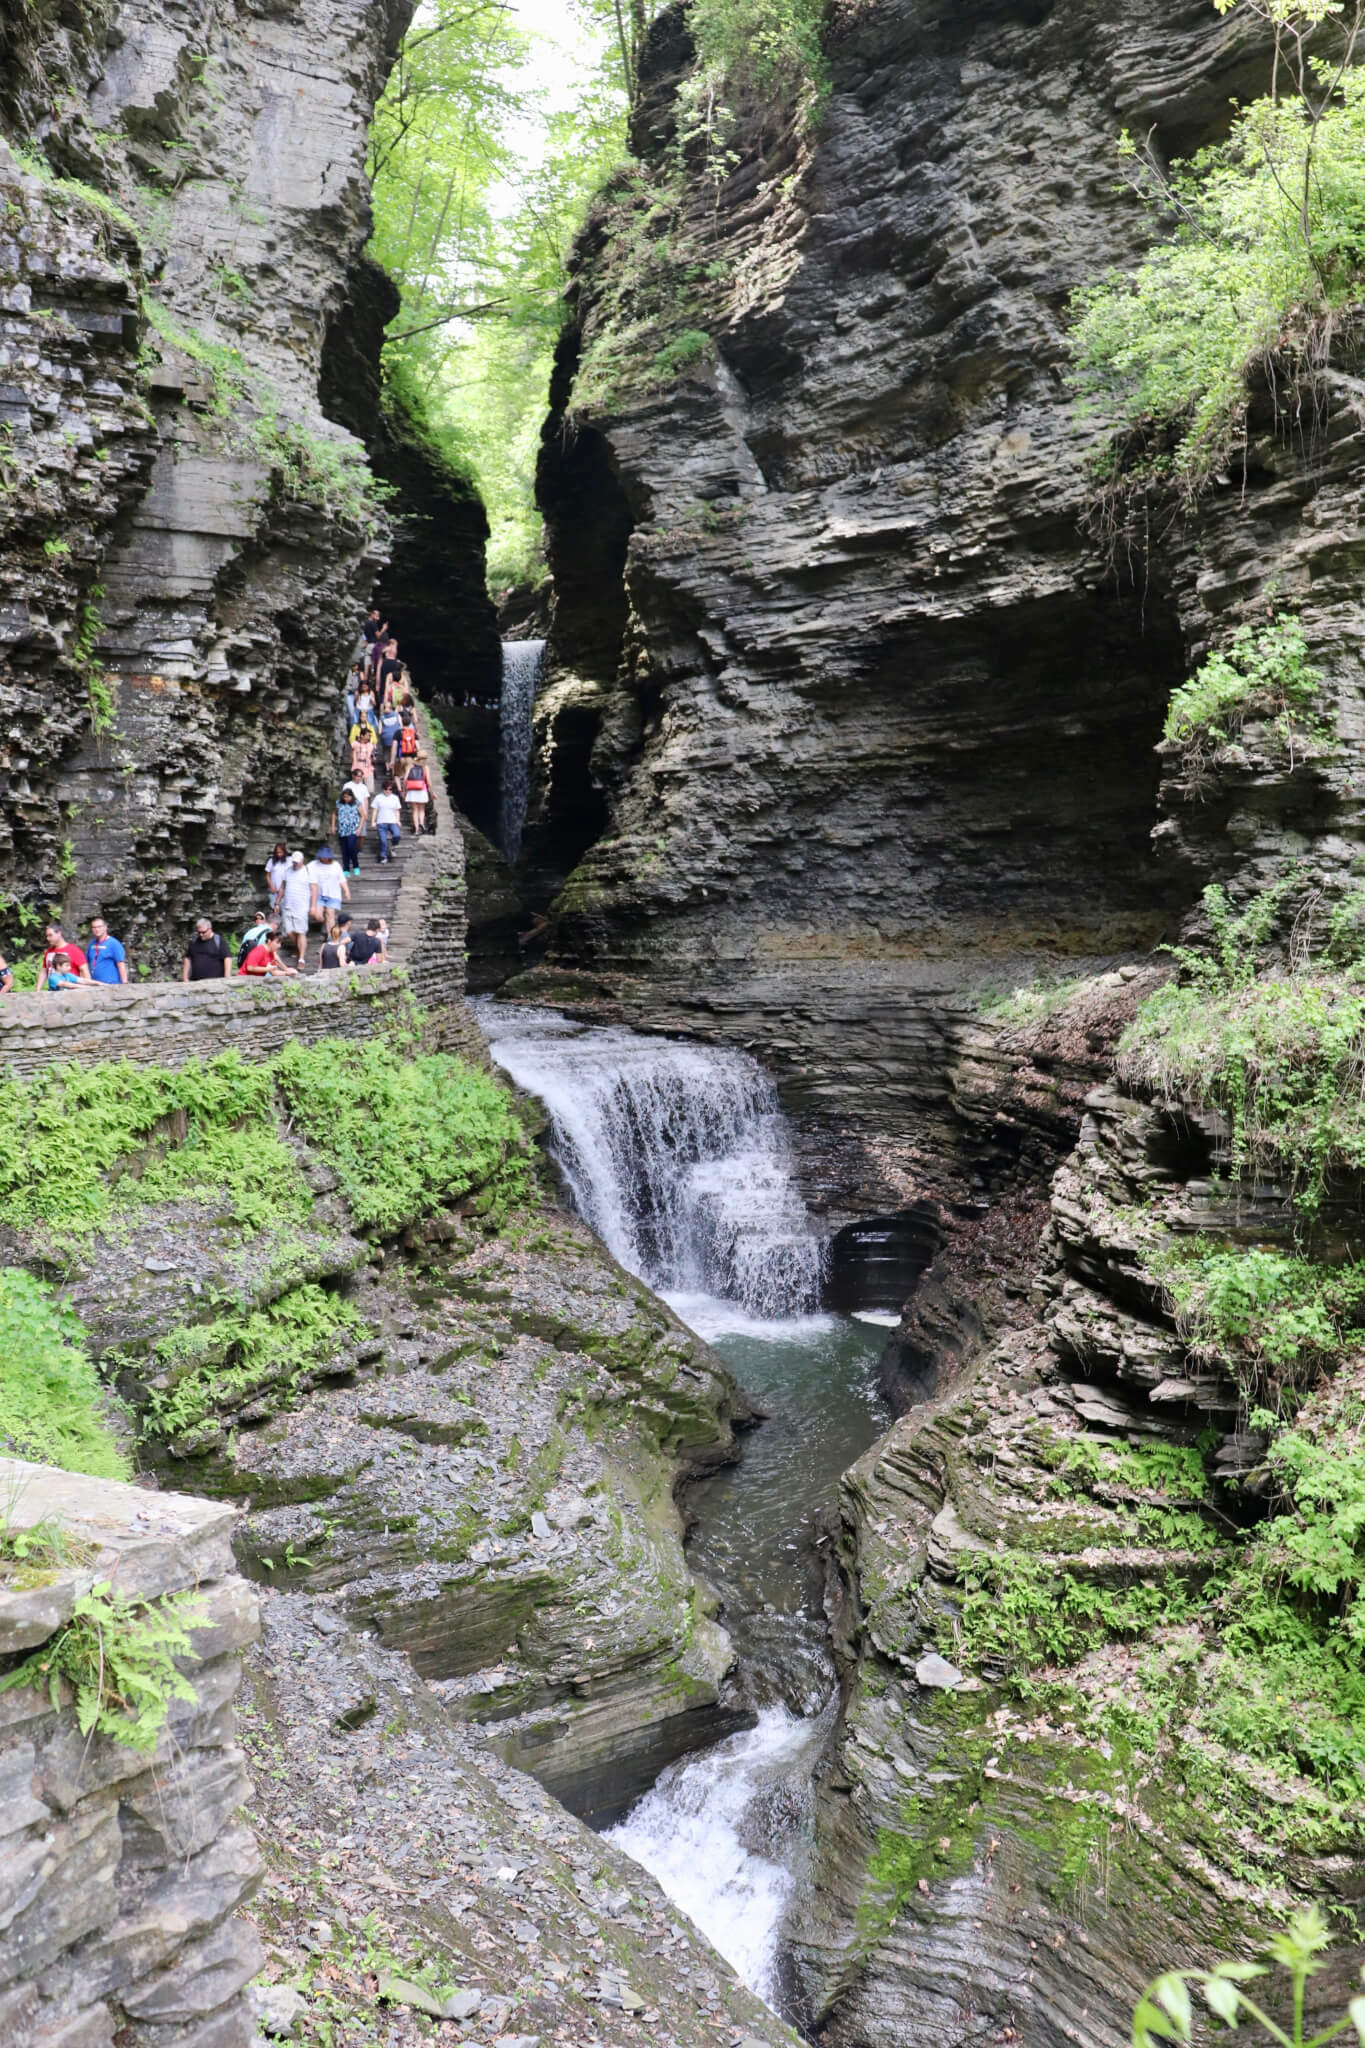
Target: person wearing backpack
(417,792)
(408,738)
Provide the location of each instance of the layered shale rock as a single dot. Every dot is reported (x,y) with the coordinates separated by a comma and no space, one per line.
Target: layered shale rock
(187,538)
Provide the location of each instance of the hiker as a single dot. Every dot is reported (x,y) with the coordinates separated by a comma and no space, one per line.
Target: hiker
(355,683)
(348,822)
(374,627)
(337,950)
(6,977)
(296,899)
(363,738)
(365,712)
(264,958)
(254,935)
(207,956)
(357,794)
(106,958)
(409,739)
(329,888)
(390,725)
(388,814)
(276,868)
(64,964)
(390,668)
(417,792)
(370,946)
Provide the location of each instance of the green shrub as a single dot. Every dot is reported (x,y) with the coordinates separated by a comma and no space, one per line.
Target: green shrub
(691,346)
(1279,1059)
(1165,2012)
(765,49)
(120,1657)
(1271,1318)
(51,1406)
(222,1364)
(1263,672)
(1268,244)
(66,1133)
(404,1137)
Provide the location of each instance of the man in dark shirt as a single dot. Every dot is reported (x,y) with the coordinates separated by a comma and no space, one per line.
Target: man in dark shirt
(369,946)
(207,956)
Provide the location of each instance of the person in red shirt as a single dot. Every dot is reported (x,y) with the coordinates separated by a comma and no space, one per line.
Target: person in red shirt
(62,958)
(265,958)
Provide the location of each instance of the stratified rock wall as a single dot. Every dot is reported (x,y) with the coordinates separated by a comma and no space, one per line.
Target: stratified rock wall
(874,714)
(187,541)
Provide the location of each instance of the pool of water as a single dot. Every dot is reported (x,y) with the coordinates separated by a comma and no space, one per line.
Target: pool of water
(815,1377)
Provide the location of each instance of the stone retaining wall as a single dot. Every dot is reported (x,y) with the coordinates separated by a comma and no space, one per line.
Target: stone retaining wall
(171,1022)
(121,1871)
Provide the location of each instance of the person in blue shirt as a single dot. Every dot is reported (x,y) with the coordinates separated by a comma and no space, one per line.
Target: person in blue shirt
(106,958)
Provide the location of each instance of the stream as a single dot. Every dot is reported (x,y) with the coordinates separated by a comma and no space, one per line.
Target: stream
(678,1156)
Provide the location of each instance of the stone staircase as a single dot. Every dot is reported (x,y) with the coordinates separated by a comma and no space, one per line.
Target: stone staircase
(374,892)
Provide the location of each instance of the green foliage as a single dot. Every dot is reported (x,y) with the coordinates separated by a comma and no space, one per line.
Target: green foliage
(51,1405)
(1268,243)
(327,471)
(79,194)
(405,1137)
(222,1364)
(1273,1319)
(1023,1009)
(762,49)
(1263,672)
(121,1658)
(68,1133)
(1022,1614)
(459,128)
(1165,2012)
(1279,1058)
(693,345)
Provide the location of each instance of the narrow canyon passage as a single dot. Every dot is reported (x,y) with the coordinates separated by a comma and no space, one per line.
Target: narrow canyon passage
(678,1157)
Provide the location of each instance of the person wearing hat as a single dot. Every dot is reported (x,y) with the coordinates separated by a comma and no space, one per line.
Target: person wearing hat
(330,888)
(296,898)
(348,822)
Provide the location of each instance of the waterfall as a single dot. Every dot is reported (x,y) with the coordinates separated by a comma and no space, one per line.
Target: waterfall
(675,1154)
(722,1832)
(521,661)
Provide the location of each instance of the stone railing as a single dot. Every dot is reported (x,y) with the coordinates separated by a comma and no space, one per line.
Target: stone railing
(429,928)
(167,1023)
(121,1870)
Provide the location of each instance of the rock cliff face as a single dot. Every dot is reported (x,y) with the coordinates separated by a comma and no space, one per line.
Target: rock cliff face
(867,698)
(188,538)
(874,717)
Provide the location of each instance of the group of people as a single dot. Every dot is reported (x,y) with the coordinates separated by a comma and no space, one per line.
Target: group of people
(381,723)
(386,747)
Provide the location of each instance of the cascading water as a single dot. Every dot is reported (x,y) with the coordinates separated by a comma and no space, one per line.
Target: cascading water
(521,664)
(677,1155)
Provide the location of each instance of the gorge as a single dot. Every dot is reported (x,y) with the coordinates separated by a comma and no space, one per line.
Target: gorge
(788,1374)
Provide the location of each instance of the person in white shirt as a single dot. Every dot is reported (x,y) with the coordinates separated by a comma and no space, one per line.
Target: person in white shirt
(330,888)
(388,813)
(295,896)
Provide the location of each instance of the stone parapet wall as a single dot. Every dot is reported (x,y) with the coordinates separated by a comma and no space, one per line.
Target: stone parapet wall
(121,1869)
(168,1023)
(429,929)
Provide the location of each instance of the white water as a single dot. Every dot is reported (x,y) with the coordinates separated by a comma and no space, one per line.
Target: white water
(676,1155)
(709,1829)
(521,662)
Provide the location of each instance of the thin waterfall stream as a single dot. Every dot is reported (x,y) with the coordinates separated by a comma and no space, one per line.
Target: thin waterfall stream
(678,1156)
(521,666)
